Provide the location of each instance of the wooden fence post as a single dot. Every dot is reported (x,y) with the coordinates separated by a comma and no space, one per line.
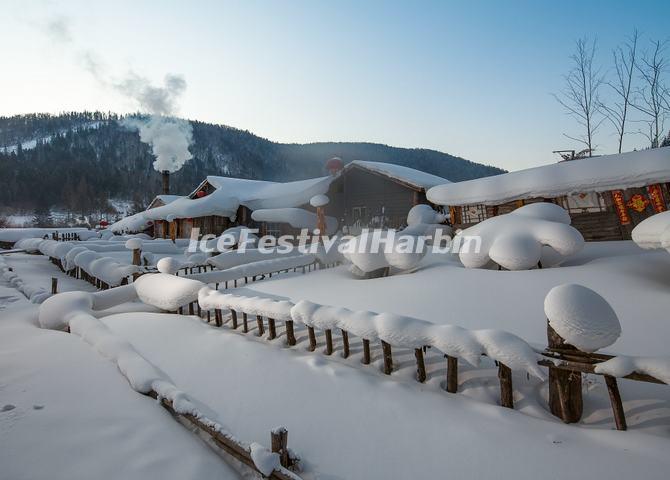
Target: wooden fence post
(388,358)
(290,334)
(245,324)
(233,315)
(272,329)
(615,400)
(366,351)
(329,342)
(261,327)
(420,365)
(452,374)
(565,387)
(312,338)
(345,343)
(54,285)
(506,391)
(219,317)
(279,444)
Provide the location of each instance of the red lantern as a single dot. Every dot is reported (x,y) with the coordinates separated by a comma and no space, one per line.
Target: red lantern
(201,193)
(104,223)
(334,165)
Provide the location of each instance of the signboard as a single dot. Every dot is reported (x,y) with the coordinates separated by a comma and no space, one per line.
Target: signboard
(620,207)
(656,196)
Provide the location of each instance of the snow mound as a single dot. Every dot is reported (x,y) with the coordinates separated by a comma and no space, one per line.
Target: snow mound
(398,251)
(424,214)
(234,258)
(319,201)
(252,269)
(582,317)
(520,239)
(134,244)
(166,291)
(32,293)
(264,459)
(654,232)
(169,265)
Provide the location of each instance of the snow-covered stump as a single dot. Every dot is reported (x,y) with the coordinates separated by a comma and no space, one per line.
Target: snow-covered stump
(279,445)
(579,322)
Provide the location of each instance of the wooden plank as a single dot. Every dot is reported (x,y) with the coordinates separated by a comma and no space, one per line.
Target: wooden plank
(225,443)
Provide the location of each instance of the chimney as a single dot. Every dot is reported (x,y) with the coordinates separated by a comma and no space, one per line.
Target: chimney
(166,182)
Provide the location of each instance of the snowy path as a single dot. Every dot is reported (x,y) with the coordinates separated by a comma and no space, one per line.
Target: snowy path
(67,413)
(351,423)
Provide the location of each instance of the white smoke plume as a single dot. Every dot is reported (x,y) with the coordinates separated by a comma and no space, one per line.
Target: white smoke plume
(168,136)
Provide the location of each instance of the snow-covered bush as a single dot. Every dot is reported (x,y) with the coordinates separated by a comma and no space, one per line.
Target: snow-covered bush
(539,233)
(582,317)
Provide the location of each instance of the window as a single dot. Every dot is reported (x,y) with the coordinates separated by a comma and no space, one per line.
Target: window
(273,229)
(359,214)
(584,203)
(473,213)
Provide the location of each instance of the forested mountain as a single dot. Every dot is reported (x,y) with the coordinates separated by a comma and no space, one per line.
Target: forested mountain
(79,160)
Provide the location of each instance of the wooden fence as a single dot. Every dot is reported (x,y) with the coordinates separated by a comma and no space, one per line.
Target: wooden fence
(566,365)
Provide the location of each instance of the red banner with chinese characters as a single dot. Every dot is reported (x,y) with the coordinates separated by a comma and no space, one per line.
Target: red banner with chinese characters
(656,196)
(620,207)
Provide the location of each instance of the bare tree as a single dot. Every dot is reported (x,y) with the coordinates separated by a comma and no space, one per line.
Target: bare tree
(580,96)
(624,69)
(653,97)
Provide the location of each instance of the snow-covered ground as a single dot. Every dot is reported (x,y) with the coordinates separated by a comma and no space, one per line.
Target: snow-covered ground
(344,419)
(66,412)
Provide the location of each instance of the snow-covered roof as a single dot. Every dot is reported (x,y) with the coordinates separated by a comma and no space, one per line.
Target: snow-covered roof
(415,178)
(229,193)
(599,174)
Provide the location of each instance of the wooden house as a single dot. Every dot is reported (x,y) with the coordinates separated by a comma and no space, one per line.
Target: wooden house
(377,195)
(606,196)
(361,194)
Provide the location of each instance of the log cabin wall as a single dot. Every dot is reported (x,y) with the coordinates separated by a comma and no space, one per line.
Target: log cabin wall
(364,199)
(595,217)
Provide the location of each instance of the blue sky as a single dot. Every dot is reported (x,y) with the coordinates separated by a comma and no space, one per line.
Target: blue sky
(469,78)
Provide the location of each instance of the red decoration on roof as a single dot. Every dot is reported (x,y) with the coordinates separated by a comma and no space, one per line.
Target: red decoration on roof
(201,193)
(104,223)
(334,165)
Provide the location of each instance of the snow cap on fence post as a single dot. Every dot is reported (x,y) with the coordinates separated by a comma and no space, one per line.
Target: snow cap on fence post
(582,317)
